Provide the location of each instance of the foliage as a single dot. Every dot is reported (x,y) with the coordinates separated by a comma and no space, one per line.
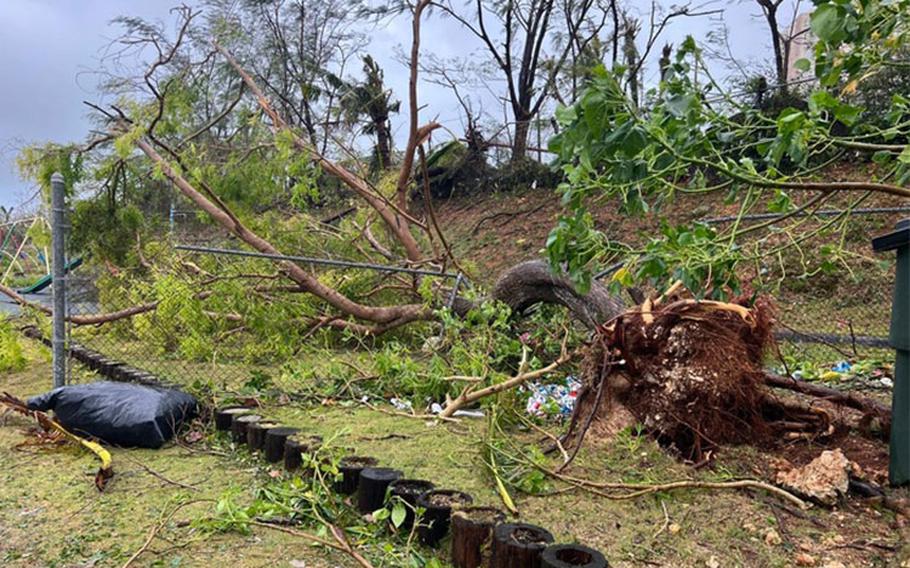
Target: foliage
(308,501)
(12,357)
(39,163)
(697,139)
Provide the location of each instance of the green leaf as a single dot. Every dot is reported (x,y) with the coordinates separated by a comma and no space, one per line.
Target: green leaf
(398,514)
(803,64)
(827,23)
(566,115)
(904,157)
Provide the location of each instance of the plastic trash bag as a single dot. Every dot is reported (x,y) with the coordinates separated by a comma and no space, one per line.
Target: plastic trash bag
(120,414)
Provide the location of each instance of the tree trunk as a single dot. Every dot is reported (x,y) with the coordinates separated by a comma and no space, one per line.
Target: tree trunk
(383,144)
(533,282)
(520,141)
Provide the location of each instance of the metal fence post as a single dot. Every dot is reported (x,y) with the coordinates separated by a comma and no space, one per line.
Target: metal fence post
(58,210)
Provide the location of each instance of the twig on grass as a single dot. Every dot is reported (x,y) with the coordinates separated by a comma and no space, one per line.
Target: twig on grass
(340,545)
(155,530)
(640,489)
(159,475)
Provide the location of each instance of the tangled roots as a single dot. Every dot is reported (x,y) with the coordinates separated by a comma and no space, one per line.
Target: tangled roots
(690,372)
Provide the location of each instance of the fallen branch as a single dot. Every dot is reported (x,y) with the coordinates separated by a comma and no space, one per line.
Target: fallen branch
(867,406)
(342,545)
(468,396)
(640,489)
(94,319)
(105,472)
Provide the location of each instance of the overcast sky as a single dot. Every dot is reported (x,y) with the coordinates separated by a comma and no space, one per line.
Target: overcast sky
(48,49)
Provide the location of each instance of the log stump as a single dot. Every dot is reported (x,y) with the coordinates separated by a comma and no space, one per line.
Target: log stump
(472,530)
(255,434)
(240,426)
(350,468)
(372,487)
(438,505)
(274,442)
(572,556)
(225,416)
(408,490)
(295,447)
(519,545)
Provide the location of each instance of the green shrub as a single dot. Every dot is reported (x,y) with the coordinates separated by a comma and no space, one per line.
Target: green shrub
(12,357)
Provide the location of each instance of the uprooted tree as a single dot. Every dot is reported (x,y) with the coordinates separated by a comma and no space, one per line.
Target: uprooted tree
(691,369)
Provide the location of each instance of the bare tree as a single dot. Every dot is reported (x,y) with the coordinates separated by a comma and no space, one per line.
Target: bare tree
(781,38)
(521,37)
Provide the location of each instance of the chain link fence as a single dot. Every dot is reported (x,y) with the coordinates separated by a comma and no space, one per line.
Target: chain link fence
(243,318)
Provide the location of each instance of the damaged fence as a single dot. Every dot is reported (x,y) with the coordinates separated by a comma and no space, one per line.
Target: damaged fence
(228,341)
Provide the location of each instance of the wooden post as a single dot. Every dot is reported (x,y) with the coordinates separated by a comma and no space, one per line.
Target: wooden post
(408,490)
(372,487)
(472,529)
(572,556)
(519,545)
(255,434)
(438,505)
(350,468)
(274,443)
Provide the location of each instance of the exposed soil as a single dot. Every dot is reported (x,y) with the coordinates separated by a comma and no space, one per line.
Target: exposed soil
(480,515)
(528,536)
(447,500)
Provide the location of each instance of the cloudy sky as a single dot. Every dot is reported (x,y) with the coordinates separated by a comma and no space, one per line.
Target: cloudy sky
(49,48)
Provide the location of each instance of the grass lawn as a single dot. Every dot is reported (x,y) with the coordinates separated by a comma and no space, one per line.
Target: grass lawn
(51,514)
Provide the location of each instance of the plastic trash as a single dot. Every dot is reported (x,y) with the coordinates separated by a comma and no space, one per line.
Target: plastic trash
(553,399)
(842,367)
(120,414)
(401,404)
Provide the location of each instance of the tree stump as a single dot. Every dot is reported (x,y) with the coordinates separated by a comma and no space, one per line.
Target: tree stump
(295,447)
(240,425)
(255,434)
(225,416)
(274,442)
(472,529)
(350,468)
(372,487)
(438,505)
(519,545)
(572,556)
(408,490)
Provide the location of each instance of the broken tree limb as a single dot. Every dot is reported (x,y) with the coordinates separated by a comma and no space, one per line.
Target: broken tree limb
(387,317)
(468,396)
(94,319)
(105,472)
(340,545)
(863,404)
(397,223)
(640,489)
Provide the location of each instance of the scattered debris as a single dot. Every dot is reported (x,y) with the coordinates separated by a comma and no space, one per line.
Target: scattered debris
(825,480)
(105,472)
(553,400)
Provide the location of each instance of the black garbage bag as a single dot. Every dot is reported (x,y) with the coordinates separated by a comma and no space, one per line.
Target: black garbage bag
(120,414)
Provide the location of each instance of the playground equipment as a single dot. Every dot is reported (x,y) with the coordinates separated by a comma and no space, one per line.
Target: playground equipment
(19,253)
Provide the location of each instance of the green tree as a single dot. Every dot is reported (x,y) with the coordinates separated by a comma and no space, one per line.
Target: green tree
(697,138)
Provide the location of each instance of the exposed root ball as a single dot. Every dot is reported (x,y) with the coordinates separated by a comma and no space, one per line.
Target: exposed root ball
(690,372)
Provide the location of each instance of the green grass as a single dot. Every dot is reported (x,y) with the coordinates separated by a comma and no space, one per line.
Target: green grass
(51,515)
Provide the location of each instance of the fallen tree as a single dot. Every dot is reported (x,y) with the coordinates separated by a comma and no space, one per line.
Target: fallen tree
(692,372)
